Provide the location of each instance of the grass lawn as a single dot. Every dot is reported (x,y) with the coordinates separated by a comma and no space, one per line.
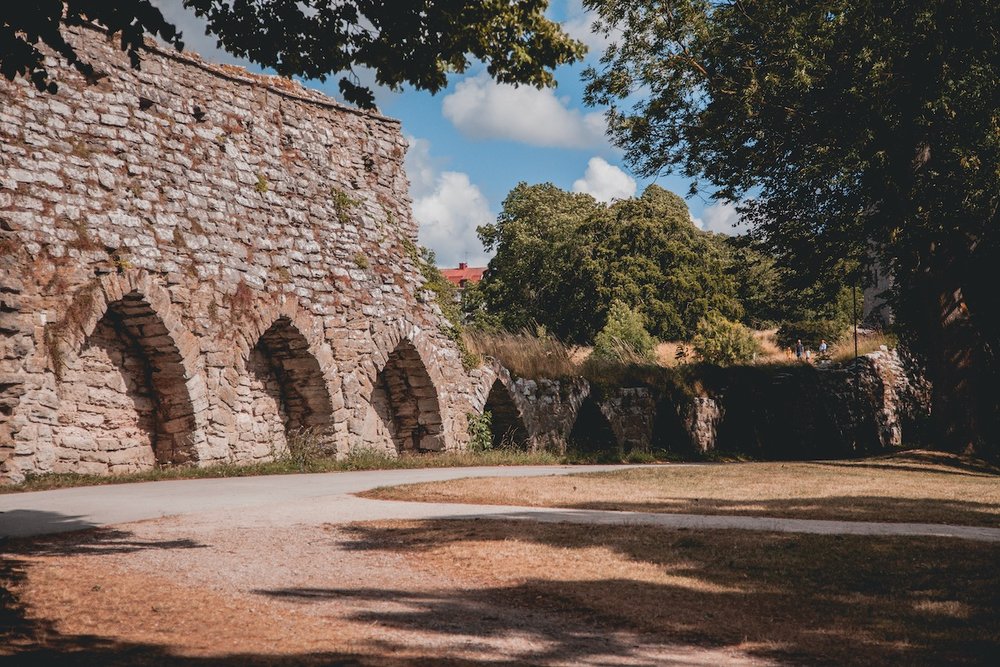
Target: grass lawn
(802,599)
(925,487)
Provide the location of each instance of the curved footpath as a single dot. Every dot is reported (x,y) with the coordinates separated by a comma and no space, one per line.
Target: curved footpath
(255,502)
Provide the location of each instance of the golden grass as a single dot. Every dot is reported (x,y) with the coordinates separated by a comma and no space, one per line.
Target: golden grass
(528,355)
(525,354)
(802,599)
(921,487)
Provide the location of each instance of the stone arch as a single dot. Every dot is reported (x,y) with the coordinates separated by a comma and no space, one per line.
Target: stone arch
(130,392)
(670,434)
(405,400)
(289,393)
(592,432)
(506,418)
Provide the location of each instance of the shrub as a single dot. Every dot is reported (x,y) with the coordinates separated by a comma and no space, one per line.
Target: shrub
(480,431)
(810,332)
(724,342)
(624,336)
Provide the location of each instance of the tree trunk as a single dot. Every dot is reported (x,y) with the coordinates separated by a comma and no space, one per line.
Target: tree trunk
(964,403)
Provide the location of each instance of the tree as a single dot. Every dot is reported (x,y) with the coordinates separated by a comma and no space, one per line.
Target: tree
(562,259)
(653,258)
(416,43)
(543,271)
(854,130)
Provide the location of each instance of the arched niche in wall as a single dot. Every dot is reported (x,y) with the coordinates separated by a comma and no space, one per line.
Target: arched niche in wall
(592,432)
(124,403)
(506,421)
(405,399)
(288,393)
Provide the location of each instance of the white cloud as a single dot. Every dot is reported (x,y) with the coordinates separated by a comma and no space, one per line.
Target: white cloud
(605,181)
(579,25)
(448,207)
(483,109)
(720,217)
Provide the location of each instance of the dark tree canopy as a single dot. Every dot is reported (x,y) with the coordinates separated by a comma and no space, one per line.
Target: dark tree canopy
(416,43)
(859,130)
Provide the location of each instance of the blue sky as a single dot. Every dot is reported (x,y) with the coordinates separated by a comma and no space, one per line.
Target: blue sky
(474,141)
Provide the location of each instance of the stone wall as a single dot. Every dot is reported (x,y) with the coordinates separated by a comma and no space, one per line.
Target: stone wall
(197,264)
(800,411)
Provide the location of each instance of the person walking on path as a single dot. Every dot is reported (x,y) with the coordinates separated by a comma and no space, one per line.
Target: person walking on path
(799,349)
(822,347)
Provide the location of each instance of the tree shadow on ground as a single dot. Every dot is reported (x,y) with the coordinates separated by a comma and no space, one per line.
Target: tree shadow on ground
(94,541)
(20,523)
(816,599)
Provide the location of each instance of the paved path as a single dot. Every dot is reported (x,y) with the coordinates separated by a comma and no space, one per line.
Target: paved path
(255,502)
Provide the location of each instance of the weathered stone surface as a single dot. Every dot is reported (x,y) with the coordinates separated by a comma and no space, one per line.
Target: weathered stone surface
(189,280)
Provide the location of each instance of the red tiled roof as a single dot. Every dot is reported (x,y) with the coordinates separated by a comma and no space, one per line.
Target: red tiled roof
(464,274)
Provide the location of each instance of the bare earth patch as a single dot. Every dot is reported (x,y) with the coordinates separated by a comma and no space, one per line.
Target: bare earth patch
(921,487)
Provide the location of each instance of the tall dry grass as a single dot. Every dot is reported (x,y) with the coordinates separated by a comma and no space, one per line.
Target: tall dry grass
(527,355)
(524,354)
(843,350)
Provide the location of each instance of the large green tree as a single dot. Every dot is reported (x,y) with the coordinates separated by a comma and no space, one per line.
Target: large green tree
(562,259)
(856,130)
(543,272)
(417,43)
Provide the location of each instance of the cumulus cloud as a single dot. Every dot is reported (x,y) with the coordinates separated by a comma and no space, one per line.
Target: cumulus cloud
(483,109)
(448,207)
(720,217)
(579,25)
(605,182)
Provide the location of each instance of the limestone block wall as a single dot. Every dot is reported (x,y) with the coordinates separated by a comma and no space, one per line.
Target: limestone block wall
(198,264)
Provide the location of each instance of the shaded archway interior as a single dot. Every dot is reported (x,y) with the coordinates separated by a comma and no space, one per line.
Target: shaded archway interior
(124,403)
(506,423)
(405,399)
(592,432)
(289,392)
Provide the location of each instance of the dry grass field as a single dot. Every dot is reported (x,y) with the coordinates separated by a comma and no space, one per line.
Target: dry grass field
(924,487)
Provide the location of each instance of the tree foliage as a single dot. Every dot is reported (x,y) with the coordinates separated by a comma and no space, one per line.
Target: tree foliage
(854,130)
(415,43)
(563,258)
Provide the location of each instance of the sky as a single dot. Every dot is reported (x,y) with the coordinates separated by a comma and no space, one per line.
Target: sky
(471,143)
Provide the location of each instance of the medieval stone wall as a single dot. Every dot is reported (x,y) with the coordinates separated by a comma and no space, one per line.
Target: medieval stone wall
(197,264)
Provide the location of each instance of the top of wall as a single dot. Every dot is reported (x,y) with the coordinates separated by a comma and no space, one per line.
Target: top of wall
(277,84)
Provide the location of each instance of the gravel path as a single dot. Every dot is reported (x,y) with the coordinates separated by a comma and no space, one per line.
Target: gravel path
(282,500)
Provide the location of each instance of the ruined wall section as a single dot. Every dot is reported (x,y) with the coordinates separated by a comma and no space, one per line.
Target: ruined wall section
(234,233)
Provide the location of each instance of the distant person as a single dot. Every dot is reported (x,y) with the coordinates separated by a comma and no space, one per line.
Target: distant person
(823,347)
(799,349)
(808,356)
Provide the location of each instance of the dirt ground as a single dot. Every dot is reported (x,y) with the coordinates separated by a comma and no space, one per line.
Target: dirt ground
(157,592)
(496,592)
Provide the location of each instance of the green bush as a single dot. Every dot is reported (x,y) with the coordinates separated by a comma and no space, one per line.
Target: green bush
(724,342)
(810,332)
(624,337)
(480,431)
